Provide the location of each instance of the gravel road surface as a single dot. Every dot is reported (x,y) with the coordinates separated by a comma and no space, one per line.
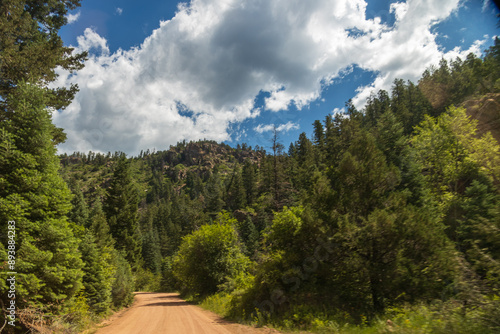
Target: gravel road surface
(167,313)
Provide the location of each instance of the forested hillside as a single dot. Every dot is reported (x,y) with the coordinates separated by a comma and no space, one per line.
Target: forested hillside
(383,219)
(393,206)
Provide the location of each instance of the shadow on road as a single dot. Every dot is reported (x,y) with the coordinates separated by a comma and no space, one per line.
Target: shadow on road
(172,303)
(167,301)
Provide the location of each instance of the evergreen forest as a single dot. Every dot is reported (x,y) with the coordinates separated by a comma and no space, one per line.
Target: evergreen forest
(385,219)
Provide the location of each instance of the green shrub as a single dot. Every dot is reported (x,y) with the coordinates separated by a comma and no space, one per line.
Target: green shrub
(209,258)
(145,280)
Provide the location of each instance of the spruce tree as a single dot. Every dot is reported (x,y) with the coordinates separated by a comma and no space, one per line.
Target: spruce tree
(121,207)
(31,191)
(99,226)
(249,236)
(123,284)
(319,134)
(31,49)
(34,196)
(249,181)
(305,157)
(319,140)
(151,250)
(215,202)
(236,195)
(277,169)
(96,279)
(79,213)
(108,256)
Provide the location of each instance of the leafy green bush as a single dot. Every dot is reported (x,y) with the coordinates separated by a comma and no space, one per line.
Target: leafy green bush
(209,258)
(145,280)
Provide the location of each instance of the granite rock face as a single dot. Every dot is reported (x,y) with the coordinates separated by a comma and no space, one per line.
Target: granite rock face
(486,110)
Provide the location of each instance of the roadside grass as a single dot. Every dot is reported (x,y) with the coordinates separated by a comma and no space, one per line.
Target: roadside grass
(219,303)
(440,318)
(75,319)
(451,317)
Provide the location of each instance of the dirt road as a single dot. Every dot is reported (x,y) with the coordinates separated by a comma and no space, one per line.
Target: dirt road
(167,313)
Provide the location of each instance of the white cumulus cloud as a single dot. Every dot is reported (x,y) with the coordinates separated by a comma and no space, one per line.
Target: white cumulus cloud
(200,72)
(92,41)
(287,127)
(261,128)
(72,18)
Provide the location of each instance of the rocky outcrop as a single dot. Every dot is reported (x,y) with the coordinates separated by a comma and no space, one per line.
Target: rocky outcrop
(486,110)
(208,153)
(202,157)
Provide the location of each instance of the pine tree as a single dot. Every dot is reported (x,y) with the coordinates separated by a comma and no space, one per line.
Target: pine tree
(215,201)
(31,191)
(400,101)
(376,106)
(249,235)
(123,284)
(390,138)
(31,49)
(319,134)
(34,195)
(161,222)
(363,178)
(107,255)
(236,195)
(277,169)
(390,250)
(96,282)
(419,106)
(79,213)
(304,155)
(249,181)
(151,251)
(99,226)
(319,140)
(121,207)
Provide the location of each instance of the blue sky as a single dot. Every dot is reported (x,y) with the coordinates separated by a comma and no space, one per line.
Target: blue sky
(160,72)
